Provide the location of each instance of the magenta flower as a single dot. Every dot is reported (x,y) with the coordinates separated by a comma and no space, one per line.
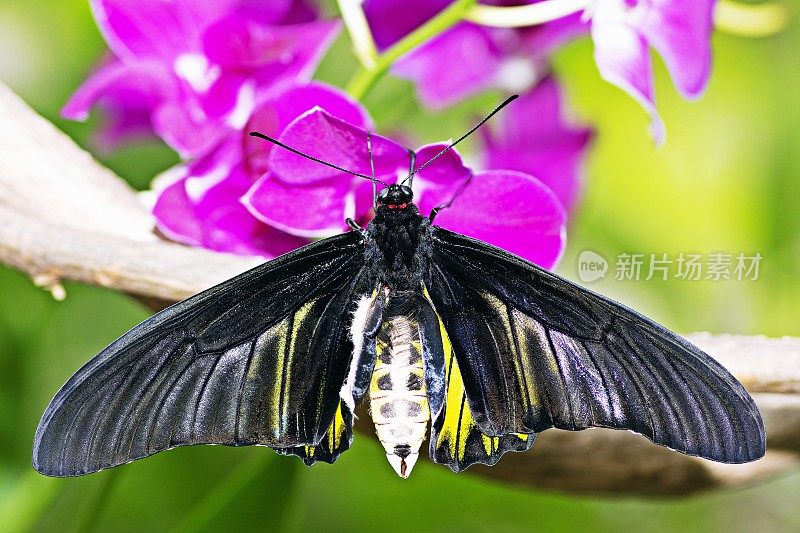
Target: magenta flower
(680,30)
(200,203)
(475,57)
(534,138)
(193,71)
(478,58)
(507,208)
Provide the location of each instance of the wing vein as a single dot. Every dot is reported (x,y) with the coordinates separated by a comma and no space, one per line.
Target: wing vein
(601,373)
(242,385)
(560,376)
(206,379)
(518,350)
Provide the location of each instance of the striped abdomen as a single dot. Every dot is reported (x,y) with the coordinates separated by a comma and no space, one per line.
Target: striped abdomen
(398,396)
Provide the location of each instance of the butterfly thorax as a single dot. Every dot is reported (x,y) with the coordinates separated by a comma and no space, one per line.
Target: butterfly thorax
(397,257)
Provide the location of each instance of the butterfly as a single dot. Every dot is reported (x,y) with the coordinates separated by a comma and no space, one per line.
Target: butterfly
(440,333)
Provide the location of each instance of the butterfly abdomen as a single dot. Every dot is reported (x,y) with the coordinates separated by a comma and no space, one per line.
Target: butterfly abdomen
(398,396)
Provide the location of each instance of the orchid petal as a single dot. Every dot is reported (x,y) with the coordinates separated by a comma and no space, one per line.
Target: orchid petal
(274,116)
(317,210)
(239,43)
(536,139)
(510,210)
(541,41)
(681,32)
(453,65)
(218,168)
(165,30)
(201,207)
(127,93)
(234,229)
(224,95)
(321,135)
(300,11)
(227,227)
(272,12)
(152,28)
(174,122)
(447,170)
(181,189)
(137,85)
(623,58)
(176,217)
(312,41)
(364,201)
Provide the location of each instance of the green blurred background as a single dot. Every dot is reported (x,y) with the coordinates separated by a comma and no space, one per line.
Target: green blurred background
(727,180)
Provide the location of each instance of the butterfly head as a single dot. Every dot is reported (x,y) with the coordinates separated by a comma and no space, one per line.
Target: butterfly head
(396,196)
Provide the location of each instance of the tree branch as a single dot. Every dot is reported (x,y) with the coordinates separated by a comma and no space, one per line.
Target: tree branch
(64,216)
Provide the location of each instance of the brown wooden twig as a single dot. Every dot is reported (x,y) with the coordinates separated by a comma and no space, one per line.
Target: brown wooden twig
(63,216)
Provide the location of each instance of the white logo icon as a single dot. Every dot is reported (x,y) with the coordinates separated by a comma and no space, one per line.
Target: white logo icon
(591,266)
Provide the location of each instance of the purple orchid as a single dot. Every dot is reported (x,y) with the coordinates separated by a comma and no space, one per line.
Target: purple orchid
(200,203)
(193,71)
(534,138)
(477,58)
(680,30)
(474,57)
(507,208)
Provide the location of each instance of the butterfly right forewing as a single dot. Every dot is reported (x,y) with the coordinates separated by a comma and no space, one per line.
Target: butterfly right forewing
(536,351)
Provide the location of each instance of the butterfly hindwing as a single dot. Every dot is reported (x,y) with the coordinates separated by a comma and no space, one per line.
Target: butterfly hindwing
(336,441)
(258,359)
(456,440)
(536,351)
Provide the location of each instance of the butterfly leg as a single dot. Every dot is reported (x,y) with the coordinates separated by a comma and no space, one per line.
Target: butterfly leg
(355,226)
(435,210)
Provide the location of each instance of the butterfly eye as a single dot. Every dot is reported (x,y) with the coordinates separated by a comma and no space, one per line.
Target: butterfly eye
(407,193)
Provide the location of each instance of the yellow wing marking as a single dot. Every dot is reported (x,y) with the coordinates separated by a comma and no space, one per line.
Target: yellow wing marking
(336,430)
(458,422)
(518,344)
(282,384)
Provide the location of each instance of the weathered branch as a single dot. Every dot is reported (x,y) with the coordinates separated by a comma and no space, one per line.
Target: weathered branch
(64,216)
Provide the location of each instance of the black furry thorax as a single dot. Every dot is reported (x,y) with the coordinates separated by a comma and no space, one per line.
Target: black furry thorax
(397,244)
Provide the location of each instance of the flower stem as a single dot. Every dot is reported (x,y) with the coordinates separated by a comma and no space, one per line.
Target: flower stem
(526,15)
(360,35)
(366,77)
(751,20)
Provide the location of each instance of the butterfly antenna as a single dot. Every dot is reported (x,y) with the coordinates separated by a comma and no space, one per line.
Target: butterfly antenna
(372,171)
(312,158)
(470,132)
(412,157)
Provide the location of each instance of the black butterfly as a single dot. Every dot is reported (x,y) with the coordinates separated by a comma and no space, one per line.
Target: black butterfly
(435,328)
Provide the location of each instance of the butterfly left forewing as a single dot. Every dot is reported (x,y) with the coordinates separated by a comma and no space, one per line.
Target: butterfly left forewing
(259,359)
(536,351)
